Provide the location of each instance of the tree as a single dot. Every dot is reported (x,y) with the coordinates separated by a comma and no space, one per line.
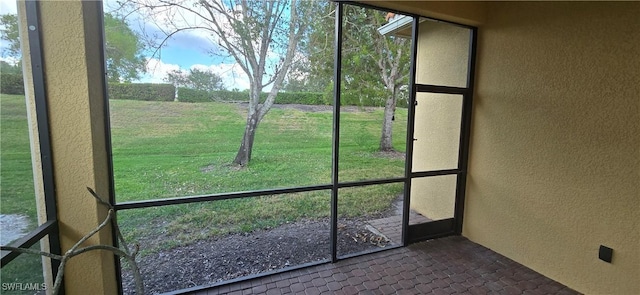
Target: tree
(11,80)
(261,36)
(373,65)
(178,78)
(9,33)
(6,68)
(195,79)
(392,58)
(316,73)
(123,49)
(205,80)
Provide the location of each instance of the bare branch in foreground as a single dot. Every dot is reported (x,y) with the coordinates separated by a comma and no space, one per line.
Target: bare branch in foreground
(124,251)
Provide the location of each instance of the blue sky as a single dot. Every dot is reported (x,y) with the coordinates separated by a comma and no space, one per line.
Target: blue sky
(184,51)
(184,56)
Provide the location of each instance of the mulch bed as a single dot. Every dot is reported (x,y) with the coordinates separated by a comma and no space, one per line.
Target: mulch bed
(237,255)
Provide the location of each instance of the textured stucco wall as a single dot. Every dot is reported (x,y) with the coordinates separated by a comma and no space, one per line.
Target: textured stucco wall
(437,135)
(434,197)
(555,149)
(441,60)
(437,131)
(76,115)
(443,54)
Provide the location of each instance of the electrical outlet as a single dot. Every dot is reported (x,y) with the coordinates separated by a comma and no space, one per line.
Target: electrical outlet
(605,254)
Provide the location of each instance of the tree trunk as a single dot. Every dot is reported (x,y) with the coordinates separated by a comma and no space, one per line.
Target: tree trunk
(386,139)
(246,146)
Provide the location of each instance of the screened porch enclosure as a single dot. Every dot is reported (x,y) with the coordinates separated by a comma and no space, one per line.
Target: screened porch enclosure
(321,185)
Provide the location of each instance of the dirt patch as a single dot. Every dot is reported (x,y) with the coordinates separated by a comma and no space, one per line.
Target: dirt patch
(13,227)
(391,155)
(237,255)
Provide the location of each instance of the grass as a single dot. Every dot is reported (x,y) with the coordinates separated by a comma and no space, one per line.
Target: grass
(25,269)
(161,149)
(16,176)
(171,149)
(17,194)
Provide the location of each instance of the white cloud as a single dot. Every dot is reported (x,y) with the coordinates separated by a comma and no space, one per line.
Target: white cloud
(10,60)
(156,71)
(231,74)
(159,22)
(163,20)
(8,7)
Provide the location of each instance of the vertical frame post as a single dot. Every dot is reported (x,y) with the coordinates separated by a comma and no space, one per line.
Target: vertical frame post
(410,130)
(42,117)
(467,111)
(337,79)
(107,134)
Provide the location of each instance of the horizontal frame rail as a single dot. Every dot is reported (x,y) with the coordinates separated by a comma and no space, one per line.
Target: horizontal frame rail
(49,227)
(248,194)
(217,197)
(442,89)
(435,173)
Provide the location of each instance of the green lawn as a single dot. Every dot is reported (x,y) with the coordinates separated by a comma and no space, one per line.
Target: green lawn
(16,177)
(16,185)
(170,149)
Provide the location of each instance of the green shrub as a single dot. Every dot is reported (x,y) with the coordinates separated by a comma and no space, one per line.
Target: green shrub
(364,99)
(11,84)
(193,95)
(235,96)
(308,98)
(351,98)
(142,91)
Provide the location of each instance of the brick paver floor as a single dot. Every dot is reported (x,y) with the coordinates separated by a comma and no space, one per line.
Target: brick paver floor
(391,227)
(452,265)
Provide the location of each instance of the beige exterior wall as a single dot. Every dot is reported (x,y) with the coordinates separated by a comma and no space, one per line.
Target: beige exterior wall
(434,197)
(443,51)
(76,116)
(442,59)
(555,149)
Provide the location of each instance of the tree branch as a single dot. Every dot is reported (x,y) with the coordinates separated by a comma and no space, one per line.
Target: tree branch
(75,250)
